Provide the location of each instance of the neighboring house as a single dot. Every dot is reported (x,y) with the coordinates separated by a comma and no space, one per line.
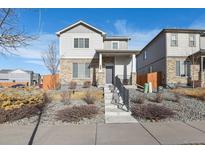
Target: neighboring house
(178,54)
(19,76)
(87,53)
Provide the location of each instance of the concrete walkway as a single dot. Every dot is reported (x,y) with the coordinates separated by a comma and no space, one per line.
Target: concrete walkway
(130,133)
(112,113)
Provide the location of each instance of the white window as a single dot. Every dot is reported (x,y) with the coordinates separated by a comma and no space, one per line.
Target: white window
(150,69)
(183,68)
(145,55)
(81,42)
(81,70)
(115,45)
(192,40)
(174,40)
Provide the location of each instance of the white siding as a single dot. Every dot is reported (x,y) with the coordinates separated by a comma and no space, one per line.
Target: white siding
(202,42)
(67,49)
(122,44)
(123,66)
(183,48)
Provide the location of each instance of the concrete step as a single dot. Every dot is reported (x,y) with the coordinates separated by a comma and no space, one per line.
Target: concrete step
(117,113)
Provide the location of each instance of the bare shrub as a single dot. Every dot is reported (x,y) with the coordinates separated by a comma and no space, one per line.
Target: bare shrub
(151,112)
(89,98)
(159,97)
(72,85)
(138,99)
(77,113)
(86,84)
(65,96)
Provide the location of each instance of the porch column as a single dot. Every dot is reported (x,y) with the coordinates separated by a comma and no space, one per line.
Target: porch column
(202,71)
(100,62)
(133,73)
(133,63)
(100,72)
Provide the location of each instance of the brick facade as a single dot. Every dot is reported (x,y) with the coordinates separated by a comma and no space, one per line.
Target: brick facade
(171,71)
(96,77)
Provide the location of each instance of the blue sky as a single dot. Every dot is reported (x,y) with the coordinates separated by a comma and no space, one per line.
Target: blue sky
(140,24)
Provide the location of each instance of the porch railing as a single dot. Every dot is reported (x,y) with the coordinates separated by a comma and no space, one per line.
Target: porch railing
(123,92)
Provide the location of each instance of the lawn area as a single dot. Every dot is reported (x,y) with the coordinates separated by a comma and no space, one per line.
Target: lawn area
(76,95)
(198,93)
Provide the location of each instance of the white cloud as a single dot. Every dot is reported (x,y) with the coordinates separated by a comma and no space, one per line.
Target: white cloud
(37,62)
(139,37)
(36,47)
(199,23)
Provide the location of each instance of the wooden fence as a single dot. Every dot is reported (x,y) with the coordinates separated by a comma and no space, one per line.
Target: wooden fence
(154,78)
(50,82)
(9,84)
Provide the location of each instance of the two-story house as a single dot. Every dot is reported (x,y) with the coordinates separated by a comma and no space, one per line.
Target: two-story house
(178,54)
(88,54)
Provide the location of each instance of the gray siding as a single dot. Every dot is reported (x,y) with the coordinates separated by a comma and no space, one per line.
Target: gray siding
(156,53)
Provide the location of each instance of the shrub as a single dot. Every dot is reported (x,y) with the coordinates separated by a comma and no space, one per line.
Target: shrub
(72,85)
(89,98)
(138,99)
(159,97)
(151,112)
(77,113)
(24,111)
(86,84)
(65,96)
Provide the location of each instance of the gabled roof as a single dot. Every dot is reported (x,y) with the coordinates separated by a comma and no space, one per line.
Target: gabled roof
(80,23)
(13,70)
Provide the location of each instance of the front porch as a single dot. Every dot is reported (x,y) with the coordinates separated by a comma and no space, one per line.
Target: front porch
(120,63)
(198,63)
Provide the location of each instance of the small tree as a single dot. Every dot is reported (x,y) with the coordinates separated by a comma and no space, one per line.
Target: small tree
(51,61)
(50,58)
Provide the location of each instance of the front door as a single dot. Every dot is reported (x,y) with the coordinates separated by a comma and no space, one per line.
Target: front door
(109,74)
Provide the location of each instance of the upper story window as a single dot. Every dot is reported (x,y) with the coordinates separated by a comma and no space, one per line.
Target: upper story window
(174,40)
(81,42)
(145,55)
(115,45)
(192,40)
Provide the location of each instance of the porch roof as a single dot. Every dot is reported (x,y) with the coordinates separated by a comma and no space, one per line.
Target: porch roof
(201,52)
(117,52)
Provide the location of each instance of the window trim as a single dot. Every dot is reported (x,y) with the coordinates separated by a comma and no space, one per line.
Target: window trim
(171,44)
(79,78)
(194,37)
(118,45)
(78,43)
(145,55)
(185,67)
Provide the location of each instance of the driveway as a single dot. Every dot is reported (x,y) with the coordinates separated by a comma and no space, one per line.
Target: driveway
(105,134)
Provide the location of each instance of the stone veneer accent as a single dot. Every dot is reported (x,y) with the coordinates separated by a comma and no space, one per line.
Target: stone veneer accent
(171,71)
(133,78)
(95,75)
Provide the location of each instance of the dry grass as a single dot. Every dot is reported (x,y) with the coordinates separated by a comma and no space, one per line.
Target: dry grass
(78,95)
(198,93)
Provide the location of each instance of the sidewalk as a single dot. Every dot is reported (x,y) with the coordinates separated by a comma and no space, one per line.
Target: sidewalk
(130,133)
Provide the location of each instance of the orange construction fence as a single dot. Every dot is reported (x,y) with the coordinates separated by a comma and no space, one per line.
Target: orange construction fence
(50,81)
(154,78)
